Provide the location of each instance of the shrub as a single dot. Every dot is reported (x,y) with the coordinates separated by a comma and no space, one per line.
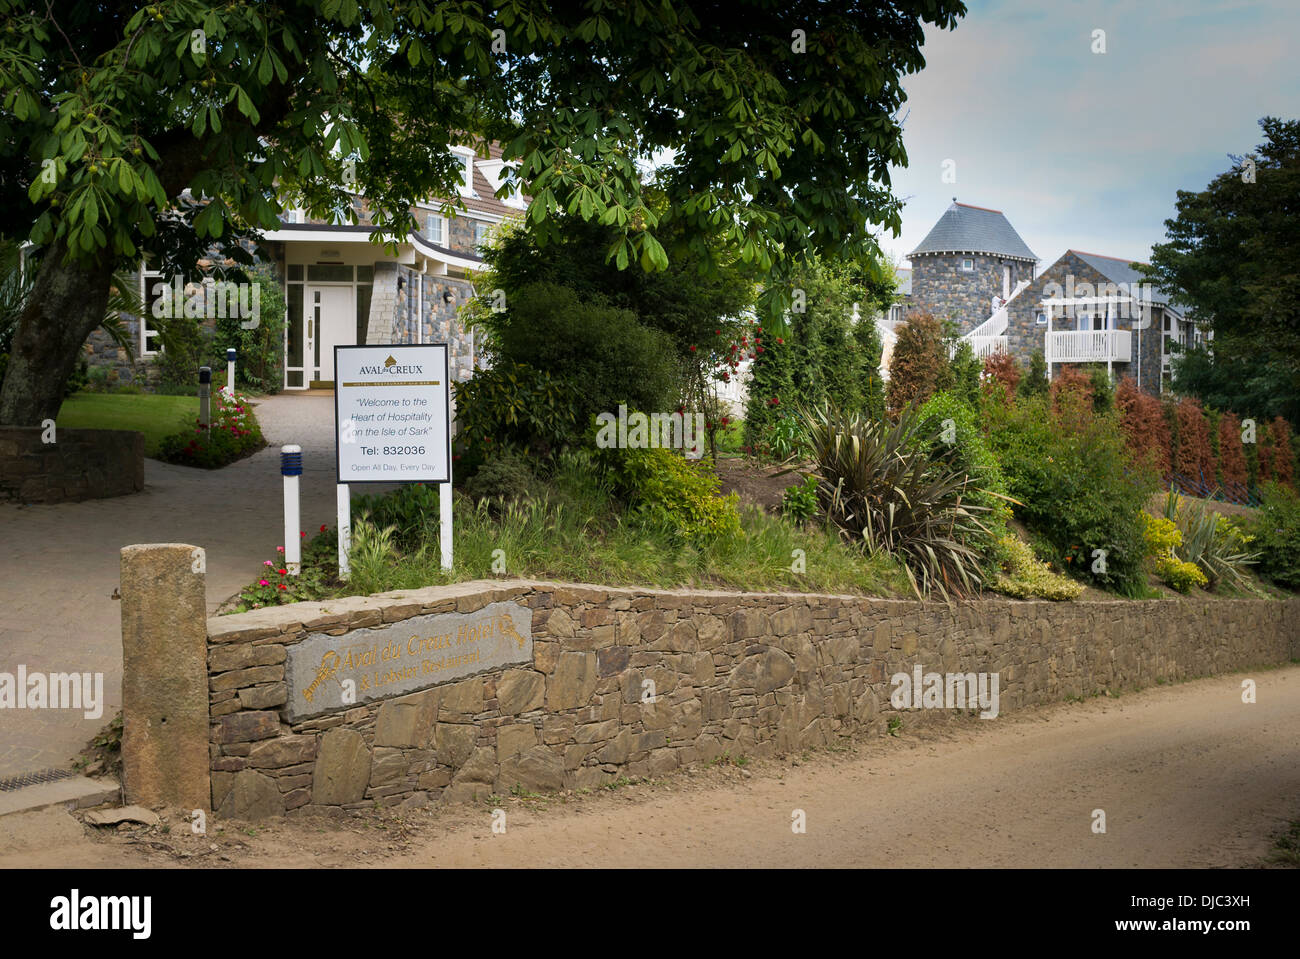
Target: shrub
(969,452)
(513,405)
(1035,381)
(1283,455)
(1232,457)
(1076,486)
(880,485)
(1210,541)
(607,354)
(260,361)
(1146,430)
(799,502)
(1162,539)
(918,363)
(411,511)
(673,493)
(504,477)
(233,434)
(1275,532)
(1023,575)
(1193,458)
(1003,370)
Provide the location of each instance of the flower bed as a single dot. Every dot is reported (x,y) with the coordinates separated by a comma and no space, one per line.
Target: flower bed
(233,434)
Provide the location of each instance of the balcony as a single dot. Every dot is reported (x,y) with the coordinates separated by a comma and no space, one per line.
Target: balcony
(1094,346)
(987,345)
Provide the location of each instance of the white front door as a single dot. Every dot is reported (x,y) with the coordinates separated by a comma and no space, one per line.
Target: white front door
(331,321)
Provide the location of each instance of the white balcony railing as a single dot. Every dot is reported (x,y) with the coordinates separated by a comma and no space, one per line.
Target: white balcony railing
(1091,346)
(987,345)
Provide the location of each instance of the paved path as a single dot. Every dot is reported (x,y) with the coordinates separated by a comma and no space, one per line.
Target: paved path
(59,564)
(1187,775)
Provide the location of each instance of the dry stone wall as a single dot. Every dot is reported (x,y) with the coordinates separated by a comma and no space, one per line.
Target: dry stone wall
(626,682)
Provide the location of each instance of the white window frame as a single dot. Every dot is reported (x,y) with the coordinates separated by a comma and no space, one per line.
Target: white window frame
(442,228)
(466,159)
(487,232)
(1040,319)
(965,268)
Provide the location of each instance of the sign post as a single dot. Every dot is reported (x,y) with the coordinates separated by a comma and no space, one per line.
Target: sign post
(392,413)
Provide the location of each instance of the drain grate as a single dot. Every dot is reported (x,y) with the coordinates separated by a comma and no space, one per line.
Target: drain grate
(10,784)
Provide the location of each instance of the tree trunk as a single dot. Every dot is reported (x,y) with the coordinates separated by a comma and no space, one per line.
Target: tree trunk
(66,304)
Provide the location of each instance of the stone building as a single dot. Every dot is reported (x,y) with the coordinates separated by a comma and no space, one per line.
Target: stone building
(343,290)
(1085,308)
(1089,308)
(972,255)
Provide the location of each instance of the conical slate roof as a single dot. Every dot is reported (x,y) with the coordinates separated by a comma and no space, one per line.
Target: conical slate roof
(974,229)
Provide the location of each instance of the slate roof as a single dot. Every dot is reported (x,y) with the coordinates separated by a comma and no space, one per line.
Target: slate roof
(974,229)
(1118,270)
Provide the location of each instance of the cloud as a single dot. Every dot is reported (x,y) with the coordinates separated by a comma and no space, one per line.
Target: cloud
(1083,149)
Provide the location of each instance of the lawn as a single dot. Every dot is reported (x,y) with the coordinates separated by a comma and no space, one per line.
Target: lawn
(154,416)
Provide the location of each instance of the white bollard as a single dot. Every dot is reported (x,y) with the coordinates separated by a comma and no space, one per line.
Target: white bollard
(444,517)
(291,469)
(230,372)
(345,531)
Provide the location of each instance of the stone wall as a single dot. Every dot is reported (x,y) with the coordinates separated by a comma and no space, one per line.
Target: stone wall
(81,464)
(942,287)
(627,682)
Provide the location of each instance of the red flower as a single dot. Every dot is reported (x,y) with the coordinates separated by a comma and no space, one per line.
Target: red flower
(282,586)
(760,349)
(717,332)
(322,528)
(779,341)
(692,347)
(302,534)
(283,572)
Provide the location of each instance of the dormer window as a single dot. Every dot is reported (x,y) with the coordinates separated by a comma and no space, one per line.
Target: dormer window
(968,265)
(466,160)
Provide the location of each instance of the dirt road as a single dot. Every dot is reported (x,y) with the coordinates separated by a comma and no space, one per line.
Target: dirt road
(1187,776)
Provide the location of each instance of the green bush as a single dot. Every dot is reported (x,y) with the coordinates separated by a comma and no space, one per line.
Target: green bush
(673,493)
(259,364)
(234,433)
(1075,486)
(799,502)
(1021,574)
(513,405)
(607,354)
(504,477)
(948,416)
(1275,533)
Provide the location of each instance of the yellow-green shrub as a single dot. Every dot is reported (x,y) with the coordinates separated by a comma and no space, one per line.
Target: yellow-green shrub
(676,493)
(1163,538)
(1024,576)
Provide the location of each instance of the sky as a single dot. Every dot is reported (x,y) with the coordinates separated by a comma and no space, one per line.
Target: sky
(1086,150)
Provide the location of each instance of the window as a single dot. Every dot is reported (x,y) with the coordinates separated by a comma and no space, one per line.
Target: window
(968,266)
(1041,319)
(435,229)
(482,233)
(466,161)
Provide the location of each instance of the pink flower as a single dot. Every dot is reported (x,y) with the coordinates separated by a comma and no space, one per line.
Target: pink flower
(279,549)
(267,562)
(262,582)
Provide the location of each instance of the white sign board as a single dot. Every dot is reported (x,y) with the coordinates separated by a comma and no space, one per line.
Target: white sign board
(392,414)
